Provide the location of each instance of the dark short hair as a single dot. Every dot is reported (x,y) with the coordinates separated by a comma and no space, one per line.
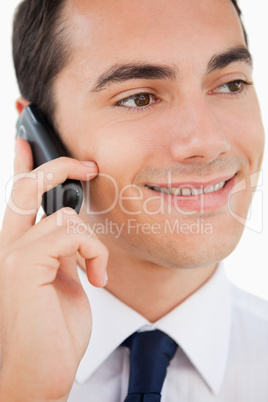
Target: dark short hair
(240,17)
(41,49)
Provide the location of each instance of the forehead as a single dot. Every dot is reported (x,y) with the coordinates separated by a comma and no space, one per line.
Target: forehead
(173,30)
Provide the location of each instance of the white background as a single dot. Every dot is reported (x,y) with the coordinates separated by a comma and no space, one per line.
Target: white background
(247,266)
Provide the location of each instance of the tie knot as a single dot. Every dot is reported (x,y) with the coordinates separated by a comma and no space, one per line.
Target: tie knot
(150,354)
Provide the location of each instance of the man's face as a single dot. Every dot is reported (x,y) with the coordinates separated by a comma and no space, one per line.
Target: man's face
(154,95)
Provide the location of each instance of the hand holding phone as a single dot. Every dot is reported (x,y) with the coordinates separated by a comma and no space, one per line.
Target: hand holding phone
(45,314)
(46,145)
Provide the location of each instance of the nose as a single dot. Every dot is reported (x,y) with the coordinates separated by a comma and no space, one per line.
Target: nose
(197,134)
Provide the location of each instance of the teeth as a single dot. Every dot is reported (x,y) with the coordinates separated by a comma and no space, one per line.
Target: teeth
(186,191)
(209,189)
(175,191)
(197,191)
(164,190)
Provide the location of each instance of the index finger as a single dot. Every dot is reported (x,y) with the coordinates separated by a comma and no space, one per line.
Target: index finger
(28,188)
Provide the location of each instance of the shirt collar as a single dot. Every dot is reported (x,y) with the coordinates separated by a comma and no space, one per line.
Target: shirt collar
(200,325)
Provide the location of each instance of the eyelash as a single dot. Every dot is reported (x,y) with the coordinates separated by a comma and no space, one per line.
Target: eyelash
(147,107)
(137,108)
(244,85)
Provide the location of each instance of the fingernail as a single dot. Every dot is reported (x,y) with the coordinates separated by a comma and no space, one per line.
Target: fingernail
(88,163)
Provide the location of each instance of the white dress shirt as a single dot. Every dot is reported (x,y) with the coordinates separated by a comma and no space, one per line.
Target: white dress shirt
(222,333)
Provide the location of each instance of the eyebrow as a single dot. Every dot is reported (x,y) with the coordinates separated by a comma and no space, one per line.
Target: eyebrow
(236,54)
(131,71)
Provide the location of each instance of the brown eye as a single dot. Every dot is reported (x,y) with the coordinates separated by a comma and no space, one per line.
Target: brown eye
(142,99)
(234,87)
(138,101)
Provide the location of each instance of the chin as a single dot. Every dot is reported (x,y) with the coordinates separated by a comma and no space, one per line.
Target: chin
(193,251)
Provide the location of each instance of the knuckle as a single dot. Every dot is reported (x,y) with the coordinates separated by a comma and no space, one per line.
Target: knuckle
(13,259)
(63,160)
(20,183)
(27,185)
(10,263)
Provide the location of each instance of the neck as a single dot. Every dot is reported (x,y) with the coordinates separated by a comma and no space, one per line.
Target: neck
(152,290)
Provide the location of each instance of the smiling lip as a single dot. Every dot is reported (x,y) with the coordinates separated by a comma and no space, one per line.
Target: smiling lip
(199,197)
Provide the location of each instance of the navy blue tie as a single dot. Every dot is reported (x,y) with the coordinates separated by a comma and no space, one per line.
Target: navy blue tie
(150,354)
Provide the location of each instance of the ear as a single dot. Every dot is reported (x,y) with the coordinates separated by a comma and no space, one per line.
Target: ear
(21,103)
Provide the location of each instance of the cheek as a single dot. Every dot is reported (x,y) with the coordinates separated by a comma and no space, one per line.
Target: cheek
(120,149)
(250,140)
(121,153)
(242,126)
(255,146)
(246,136)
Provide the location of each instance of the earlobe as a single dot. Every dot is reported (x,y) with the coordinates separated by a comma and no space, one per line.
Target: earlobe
(21,103)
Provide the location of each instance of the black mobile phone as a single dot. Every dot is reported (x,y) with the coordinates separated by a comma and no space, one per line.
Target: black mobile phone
(46,145)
